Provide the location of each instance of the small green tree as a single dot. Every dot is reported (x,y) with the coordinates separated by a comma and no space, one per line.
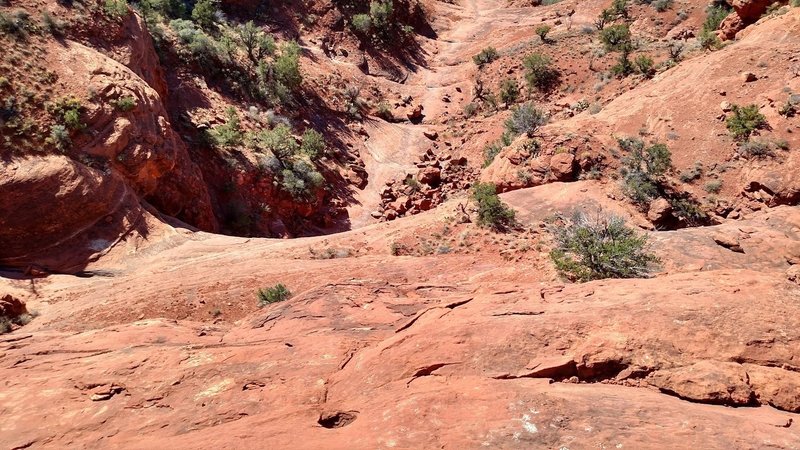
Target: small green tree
(257,44)
(744,120)
(617,38)
(204,13)
(313,144)
(287,66)
(643,169)
(492,212)
(542,31)
(509,91)
(539,72)
(593,249)
(116,9)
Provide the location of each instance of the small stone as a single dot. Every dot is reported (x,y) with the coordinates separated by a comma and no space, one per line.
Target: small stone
(748,77)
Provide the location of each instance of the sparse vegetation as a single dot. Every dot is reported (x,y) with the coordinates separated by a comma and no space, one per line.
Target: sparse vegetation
(509,91)
(490,152)
(644,65)
(313,144)
(744,120)
(230,134)
(540,73)
(486,56)
(116,8)
(525,119)
(601,247)
(125,103)
(715,14)
(274,294)
(643,169)
(713,186)
(542,31)
(492,212)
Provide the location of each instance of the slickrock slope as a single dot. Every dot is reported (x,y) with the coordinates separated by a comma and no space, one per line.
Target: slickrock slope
(461,350)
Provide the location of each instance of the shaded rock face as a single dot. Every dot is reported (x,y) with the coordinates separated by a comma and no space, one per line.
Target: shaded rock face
(96,188)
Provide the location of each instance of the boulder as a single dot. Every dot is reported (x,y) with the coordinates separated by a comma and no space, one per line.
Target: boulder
(430,176)
(659,210)
(562,166)
(11,306)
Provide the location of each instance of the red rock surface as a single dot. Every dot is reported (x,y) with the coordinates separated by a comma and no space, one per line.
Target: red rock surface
(426,331)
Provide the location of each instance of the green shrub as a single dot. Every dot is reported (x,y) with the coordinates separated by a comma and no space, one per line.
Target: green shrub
(361,23)
(755,148)
(542,31)
(709,41)
(230,134)
(52,25)
(490,152)
(713,186)
(617,38)
(279,141)
(744,120)
(470,109)
(72,119)
(287,66)
(623,67)
(788,109)
(125,103)
(525,119)
(274,294)
(492,212)
(59,137)
(619,8)
(116,8)
(5,325)
(486,56)
(644,65)
(256,43)
(661,5)
(381,13)
(301,179)
(715,14)
(509,91)
(313,144)
(593,249)
(539,72)
(643,169)
(204,13)
(384,110)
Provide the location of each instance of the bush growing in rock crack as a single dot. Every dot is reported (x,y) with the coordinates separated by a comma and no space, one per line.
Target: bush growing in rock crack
(600,247)
(643,169)
(274,294)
